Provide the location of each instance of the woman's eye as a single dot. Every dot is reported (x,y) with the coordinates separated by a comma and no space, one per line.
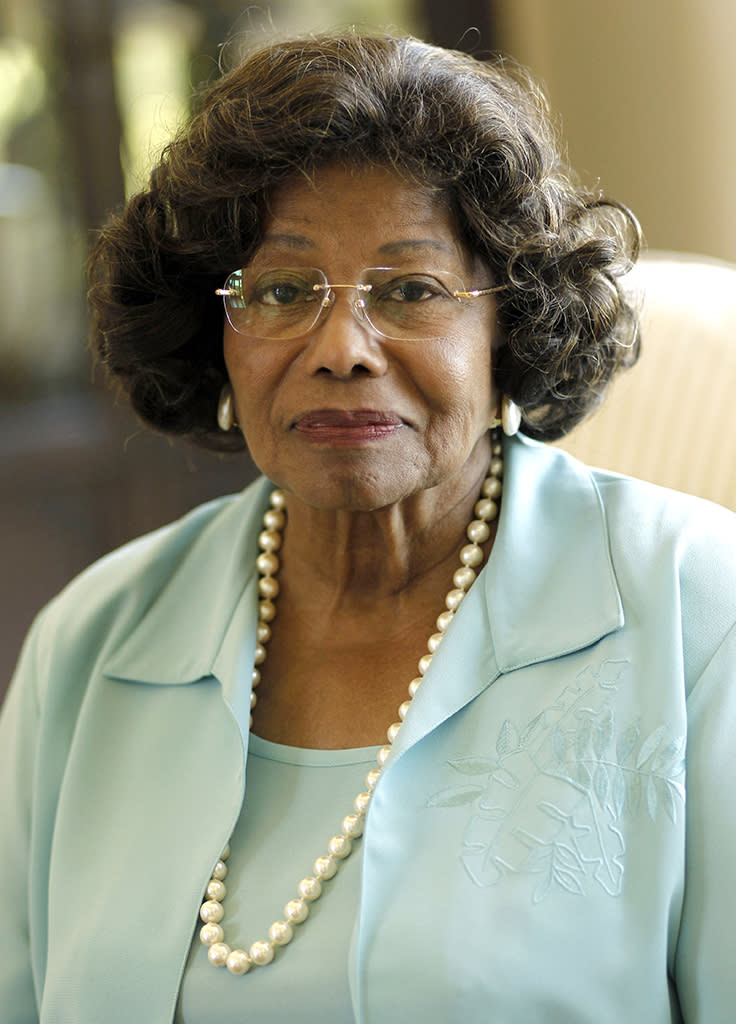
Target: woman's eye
(412,289)
(281,294)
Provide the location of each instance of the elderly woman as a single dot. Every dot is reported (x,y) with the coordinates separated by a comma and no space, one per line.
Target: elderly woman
(204,724)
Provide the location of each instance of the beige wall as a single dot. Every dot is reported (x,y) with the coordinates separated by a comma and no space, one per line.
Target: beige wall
(647,94)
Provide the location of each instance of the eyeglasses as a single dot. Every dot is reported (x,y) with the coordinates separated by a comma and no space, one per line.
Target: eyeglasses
(288,302)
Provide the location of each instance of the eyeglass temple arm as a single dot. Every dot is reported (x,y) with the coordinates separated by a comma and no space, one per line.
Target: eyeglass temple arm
(478,291)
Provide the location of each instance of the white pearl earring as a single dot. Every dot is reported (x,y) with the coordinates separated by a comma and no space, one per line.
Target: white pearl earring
(226,409)
(510,416)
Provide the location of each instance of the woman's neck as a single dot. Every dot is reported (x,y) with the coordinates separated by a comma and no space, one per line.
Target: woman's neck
(345,557)
(360,594)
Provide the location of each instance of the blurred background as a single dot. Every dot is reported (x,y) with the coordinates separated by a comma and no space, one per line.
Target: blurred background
(91,89)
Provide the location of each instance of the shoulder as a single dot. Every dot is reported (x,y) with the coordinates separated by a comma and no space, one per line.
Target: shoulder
(673,550)
(642,520)
(638,515)
(645,520)
(186,560)
(666,550)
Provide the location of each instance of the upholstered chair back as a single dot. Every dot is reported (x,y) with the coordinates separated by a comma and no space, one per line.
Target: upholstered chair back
(672,418)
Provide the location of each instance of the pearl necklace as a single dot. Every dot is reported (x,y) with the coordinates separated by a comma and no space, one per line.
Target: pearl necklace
(309,889)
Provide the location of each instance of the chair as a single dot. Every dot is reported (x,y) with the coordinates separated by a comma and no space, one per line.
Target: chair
(669,419)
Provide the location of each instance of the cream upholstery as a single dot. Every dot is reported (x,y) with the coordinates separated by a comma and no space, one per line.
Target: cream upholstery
(671,418)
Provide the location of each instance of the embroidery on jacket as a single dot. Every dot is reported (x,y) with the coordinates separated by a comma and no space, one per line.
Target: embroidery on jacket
(550,802)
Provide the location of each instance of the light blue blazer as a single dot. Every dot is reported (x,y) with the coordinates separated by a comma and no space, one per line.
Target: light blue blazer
(534,850)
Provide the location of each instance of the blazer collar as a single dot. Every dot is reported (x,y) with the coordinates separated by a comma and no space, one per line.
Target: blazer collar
(203,623)
(549,587)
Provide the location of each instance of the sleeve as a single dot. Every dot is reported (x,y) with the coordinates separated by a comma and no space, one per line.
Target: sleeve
(705,963)
(18,732)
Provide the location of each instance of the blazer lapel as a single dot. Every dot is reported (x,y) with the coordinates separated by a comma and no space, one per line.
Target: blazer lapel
(166,724)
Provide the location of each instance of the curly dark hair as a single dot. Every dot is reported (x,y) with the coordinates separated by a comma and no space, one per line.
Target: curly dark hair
(478,131)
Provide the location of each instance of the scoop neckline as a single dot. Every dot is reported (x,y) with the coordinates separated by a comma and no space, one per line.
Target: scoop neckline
(317,757)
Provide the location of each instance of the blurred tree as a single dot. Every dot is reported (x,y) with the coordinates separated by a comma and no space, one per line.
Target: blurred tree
(82,31)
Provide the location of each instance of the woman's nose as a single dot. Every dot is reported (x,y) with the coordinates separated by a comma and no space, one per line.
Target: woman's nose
(344,344)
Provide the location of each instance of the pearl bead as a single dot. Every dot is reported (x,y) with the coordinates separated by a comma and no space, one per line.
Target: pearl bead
(268,586)
(382,755)
(496,468)
(266,611)
(296,911)
(434,641)
(340,846)
(393,731)
(424,662)
(274,519)
(325,867)
(261,953)
(496,449)
(454,598)
(486,510)
(444,620)
(211,933)
(225,853)
(278,499)
(255,677)
(263,632)
(260,654)
(269,540)
(253,699)
(216,890)
(414,685)
(267,563)
(352,826)
(478,531)
(238,962)
(362,802)
(310,889)
(220,870)
(372,777)
(281,933)
(491,489)
(218,953)
(471,554)
(464,577)
(403,708)
(211,911)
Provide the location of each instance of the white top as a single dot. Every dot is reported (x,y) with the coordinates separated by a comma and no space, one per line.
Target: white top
(295,801)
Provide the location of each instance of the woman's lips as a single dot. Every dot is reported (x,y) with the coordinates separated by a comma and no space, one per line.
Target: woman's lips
(352,426)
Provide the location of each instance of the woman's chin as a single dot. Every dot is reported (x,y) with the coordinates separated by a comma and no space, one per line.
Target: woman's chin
(349,492)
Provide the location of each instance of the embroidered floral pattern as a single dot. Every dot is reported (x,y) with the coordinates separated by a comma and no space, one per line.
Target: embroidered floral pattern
(550,801)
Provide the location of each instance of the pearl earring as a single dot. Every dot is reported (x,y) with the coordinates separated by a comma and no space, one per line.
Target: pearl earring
(510,416)
(225,409)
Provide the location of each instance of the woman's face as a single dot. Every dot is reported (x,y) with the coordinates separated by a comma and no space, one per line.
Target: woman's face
(345,418)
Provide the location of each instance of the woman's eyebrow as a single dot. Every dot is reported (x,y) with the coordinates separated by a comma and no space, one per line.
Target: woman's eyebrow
(395,248)
(292,241)
(412,244)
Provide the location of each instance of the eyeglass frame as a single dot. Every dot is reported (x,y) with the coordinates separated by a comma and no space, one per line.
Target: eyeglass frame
(357,308)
